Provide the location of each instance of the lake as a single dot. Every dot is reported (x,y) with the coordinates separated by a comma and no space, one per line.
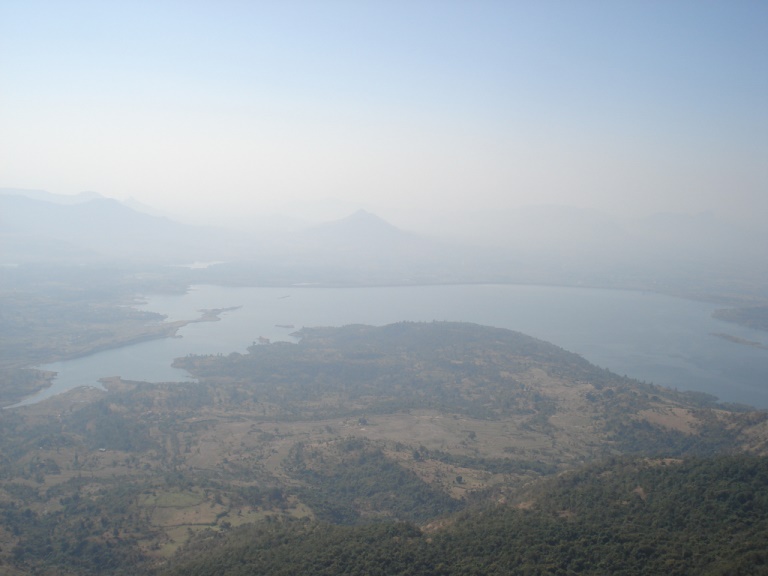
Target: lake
(652,337)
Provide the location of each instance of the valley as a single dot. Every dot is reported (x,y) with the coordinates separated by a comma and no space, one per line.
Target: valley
(383,288)
(378,408)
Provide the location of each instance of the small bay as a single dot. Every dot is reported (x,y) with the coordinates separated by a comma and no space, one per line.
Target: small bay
(652,337)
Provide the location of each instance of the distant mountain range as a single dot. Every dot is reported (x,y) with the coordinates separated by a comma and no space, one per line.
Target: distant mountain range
(44,196)
(42,227)
(694,255)
(36,226)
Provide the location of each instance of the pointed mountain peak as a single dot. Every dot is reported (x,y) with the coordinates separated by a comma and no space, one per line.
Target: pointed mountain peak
(365,217)
(362,213)
(361,220)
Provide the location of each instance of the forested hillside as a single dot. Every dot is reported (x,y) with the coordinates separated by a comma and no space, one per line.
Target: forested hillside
(626,516)
(440,448)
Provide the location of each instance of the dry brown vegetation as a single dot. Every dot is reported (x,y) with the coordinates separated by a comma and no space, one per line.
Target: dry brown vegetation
(448,413)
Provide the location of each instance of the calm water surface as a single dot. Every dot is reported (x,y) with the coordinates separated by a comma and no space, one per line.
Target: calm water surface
(651,337)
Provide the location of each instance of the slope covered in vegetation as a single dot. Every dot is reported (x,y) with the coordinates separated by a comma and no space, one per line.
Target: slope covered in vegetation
(359,432)
(627,516)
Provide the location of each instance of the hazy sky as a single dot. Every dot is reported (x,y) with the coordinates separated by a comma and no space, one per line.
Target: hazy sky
(206,108)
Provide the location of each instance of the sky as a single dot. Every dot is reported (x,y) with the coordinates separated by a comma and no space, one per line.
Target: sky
(411,109)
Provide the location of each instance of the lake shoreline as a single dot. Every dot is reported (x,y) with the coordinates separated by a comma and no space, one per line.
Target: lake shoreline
(159,331)
(626,331)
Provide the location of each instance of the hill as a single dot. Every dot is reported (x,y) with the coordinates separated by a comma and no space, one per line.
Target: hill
(361,249)
(90,229)
(359,226)
(411,422)
(565,406)
(629,516)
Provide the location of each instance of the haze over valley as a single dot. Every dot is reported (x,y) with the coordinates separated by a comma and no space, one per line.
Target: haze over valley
(383,288)
(693,255)
(267,427)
